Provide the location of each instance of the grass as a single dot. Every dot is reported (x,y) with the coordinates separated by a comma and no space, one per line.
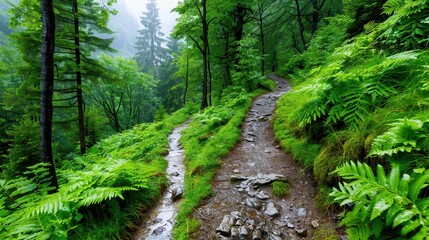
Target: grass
(209,137)
(280,189)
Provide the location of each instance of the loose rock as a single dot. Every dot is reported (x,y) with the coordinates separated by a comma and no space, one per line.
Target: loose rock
(244,234)
(176,193)
(224,227)
(253,202)
(301,232)
(234,233)
(302,212)
(257,235)
(274,237)
(271,210)
(314,224)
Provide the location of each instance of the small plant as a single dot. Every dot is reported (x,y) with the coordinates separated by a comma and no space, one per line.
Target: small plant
(280,189)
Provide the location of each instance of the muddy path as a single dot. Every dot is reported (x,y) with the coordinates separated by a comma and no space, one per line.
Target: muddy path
(159,221)
(243,203)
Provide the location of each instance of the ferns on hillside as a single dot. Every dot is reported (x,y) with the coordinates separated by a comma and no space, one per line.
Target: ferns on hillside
(385,205)
(405,135)
(408,25)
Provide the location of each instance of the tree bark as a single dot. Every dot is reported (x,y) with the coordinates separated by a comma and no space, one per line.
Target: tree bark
(46,107)
(315,16)
(301,25)
(186,80)
(79,79)
(205,38)
(262,33)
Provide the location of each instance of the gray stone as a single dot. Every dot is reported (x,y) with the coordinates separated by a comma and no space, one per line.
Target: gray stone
(271,210)
(224,227)
(314,224)
(254,203)
(280,223)
(238,223)
(244,233)
(235,233)
(301,232)
(176,193)
(262,195)
(344,238)
(257,234)
(274,237)
(290,225)
(249,139)
(220,237)
(302,212)
(236,214)
(158,231)
(263,179)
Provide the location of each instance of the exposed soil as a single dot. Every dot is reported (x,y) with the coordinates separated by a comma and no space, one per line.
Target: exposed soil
(233,207)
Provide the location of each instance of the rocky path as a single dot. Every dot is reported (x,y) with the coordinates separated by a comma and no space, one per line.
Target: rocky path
(160,220)
(243,205)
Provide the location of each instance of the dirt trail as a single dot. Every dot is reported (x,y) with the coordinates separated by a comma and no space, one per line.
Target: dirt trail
(242,205)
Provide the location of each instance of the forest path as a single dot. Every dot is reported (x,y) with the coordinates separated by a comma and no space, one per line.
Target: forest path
(243,205)
(159,221)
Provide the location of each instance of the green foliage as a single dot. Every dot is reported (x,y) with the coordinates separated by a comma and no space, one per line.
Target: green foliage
(407,25)
(405,135)
(100,193)
(24,148)
(320,48)
(280,189)
(384,204)
(246,72)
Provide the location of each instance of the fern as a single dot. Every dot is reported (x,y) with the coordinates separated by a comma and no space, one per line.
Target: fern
(406,135)
(384,203)
(407,24)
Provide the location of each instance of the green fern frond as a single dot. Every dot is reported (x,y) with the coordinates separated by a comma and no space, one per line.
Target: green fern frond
(100,194)
(393,198)
(405,135)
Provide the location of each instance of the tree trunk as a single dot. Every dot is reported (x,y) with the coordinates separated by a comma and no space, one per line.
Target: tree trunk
(301,25)
(186,80)
(315,16)
(262,33)
(79,79)
(210,73)
(46,108)
(204,37)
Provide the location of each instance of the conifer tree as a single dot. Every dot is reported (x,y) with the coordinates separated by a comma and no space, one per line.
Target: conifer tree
(149,43)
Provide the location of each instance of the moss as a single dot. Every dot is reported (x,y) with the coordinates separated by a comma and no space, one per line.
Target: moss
(280,189)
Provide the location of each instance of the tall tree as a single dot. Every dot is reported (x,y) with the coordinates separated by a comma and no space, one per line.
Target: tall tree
(78,78)
(149,43)
(46,107)
(187,27)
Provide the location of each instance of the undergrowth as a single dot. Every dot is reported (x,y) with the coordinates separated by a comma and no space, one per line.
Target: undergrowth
(360,120)
(101,194)
(209,137)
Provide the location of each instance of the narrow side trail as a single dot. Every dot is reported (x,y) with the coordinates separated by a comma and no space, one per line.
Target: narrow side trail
(243,205)
(161,218)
